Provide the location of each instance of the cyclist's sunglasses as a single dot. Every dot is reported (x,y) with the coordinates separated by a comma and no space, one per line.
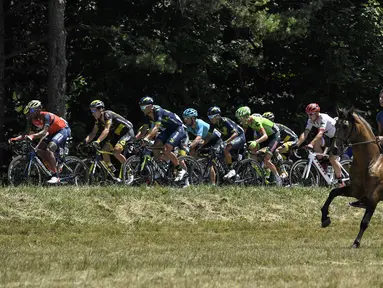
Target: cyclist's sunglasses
(212,116)
(93,111)
(143,107)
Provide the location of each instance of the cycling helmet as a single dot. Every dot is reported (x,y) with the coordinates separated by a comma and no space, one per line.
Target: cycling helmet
(33,104)
(146,101)
(96,104)
(313,107)
(268,115)
(242,111)
(213,110)
(190,112)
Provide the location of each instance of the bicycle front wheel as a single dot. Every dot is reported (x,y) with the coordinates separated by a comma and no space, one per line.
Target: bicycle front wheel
(74,171)
(134,173)
(22,171)
(297,171)
(249,172)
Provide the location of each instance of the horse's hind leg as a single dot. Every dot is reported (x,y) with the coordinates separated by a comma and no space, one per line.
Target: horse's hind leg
(343,191)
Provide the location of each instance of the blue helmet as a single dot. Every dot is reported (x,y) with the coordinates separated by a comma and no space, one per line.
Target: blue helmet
(214,110)
(146,100)
(190,112)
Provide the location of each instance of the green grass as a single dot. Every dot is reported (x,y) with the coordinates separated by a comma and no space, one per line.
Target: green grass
(197,237)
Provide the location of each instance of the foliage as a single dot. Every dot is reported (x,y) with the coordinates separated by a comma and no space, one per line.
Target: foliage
(270,54)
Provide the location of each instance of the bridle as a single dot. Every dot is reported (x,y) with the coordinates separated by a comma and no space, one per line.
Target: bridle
(346,140)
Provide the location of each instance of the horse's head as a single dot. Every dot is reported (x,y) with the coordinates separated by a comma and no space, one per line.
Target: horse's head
(344,127)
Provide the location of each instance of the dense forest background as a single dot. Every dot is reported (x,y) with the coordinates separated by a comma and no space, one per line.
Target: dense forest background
(272,55)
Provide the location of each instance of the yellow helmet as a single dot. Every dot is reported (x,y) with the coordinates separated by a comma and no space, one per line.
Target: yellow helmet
(96,104)
(32,104)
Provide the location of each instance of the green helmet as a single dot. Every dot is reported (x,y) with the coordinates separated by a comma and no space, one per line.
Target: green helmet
(242,112)
(268,115)
(33,104)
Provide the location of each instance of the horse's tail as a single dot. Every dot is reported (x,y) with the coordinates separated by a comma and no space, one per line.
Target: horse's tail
(376,167)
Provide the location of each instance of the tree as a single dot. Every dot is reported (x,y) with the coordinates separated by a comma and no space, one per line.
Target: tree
(2,88)
(57,62)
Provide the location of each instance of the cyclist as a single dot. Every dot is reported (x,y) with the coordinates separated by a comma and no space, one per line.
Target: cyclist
(288,141)
(200,129)
(232,136)
(55,131)
(326,131)
(172,133)
(268,135)
(116,133)
(379,116)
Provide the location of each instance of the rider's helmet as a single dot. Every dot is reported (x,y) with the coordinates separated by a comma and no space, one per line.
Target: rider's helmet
(190,112)
(213,110)
(96,104)
(269,115)
(242,112)
(312,108)
(146,101)
(34,104)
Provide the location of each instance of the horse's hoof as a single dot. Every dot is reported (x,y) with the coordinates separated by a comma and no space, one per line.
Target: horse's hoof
(356,245)
(326,222)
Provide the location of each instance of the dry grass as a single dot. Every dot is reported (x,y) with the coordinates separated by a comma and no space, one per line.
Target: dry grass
(205,237)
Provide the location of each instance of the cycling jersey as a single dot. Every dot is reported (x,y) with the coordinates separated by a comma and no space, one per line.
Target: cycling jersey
(227,127)
(114,122)
(323,122)
(201,128)
(286,133)
(53,122)
(168,120)
(257,123)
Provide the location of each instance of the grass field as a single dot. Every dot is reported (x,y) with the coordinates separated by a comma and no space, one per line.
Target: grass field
(197,237)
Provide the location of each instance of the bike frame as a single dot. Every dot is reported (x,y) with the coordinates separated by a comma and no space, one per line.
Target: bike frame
(313,160)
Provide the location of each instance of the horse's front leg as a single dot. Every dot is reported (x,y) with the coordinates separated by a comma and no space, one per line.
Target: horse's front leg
(343,191)
(371,203)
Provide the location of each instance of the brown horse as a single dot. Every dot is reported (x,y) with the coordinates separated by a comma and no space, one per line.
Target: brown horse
(366,174)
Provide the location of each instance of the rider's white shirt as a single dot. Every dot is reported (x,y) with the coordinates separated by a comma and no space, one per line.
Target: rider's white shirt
(323,121)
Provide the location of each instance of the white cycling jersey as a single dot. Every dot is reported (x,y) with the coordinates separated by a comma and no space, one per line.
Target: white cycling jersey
(325,122)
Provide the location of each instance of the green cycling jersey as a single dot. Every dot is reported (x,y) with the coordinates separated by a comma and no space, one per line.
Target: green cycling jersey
(257,123)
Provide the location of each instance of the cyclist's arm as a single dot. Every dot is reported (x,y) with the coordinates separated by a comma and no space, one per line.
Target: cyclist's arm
(153,132)
(142,131)
(40,134)
(303,137)
(318,136)
(232,137)
(91,135)
(196,141)
(263,137)
(380,129)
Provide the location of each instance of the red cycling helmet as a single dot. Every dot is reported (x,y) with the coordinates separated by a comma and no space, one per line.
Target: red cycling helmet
(311,108)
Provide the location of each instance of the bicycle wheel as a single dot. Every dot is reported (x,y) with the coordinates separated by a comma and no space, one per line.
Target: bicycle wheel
(22,171)
(249,172)
(141,175)
(206,172)
(193,169)
(97,174)
(297,171)
(74,171)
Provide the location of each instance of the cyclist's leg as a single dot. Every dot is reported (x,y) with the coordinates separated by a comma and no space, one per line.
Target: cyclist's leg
(175,140)
(57,141)
(159,142)
(236,144)
(120,146)
(271,147)
(282,149)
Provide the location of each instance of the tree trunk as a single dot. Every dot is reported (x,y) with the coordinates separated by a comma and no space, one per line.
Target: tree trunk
(57,62)
(2,88)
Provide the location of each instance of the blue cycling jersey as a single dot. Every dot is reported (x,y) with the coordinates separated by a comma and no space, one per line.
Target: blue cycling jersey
(201,129)
(168,120)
